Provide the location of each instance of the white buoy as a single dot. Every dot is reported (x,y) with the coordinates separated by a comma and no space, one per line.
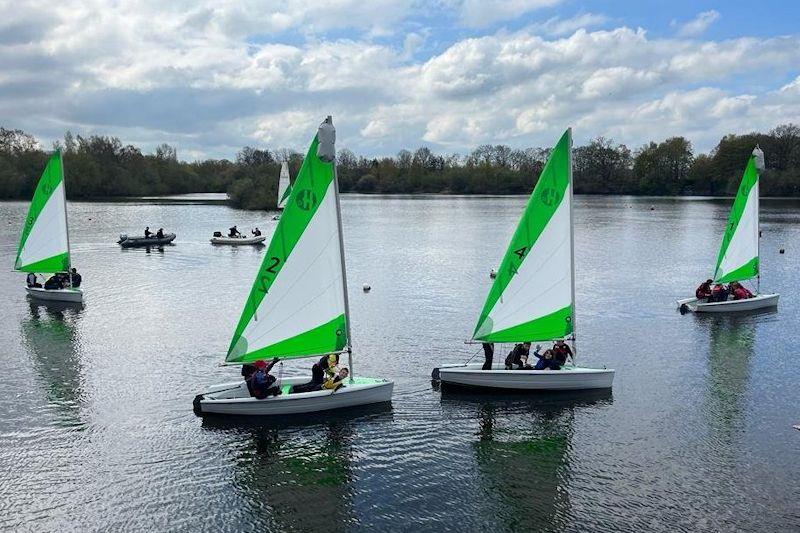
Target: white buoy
(493,274)
(366,287)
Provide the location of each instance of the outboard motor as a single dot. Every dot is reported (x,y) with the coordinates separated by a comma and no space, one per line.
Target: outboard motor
(217,234)
(122,237)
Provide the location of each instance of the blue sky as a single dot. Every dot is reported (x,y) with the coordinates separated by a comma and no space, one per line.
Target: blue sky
(210,78)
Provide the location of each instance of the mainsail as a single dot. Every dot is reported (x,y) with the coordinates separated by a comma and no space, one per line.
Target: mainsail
(44,245)
(738,255)
(297,305)
(532,296)
(284,185)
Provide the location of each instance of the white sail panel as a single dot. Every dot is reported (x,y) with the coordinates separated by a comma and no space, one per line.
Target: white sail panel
(743,246)
(543,284)
(48,236)
(309,291)
(283,184)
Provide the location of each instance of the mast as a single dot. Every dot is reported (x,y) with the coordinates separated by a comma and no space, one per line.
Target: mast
(66,218)
(349,346)
(572,250)
(759,155)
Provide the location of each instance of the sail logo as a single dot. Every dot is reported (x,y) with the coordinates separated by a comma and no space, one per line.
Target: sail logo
(306,199)
(550,196)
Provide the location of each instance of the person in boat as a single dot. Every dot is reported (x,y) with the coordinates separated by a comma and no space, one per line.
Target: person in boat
(322,370)
(739,291)
(160,233)
(546,361)
(262,384)
(53,282)
(147,232)
(514,357)
(234,232)
(525,365)
(32,281)
(488,354)
(256,232)
(76,278)
(561,351)
(719,293)
(333,383)
(703,292)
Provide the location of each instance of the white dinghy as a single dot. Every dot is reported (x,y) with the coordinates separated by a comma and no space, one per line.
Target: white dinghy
(533,294)
(738,258)
(44,244)
(239,241)
(298,305)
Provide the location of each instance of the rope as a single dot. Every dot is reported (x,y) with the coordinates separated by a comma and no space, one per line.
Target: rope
(473,356)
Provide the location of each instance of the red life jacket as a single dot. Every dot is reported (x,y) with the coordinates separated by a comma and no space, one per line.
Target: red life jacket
(703,291)
(740,293)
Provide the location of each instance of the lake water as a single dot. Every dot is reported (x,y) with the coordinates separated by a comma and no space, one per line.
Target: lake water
(96,423)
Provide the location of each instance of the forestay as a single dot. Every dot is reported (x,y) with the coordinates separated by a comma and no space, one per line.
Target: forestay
(738,255)
(44,245)
(284,185)
(296,307)
(531,298)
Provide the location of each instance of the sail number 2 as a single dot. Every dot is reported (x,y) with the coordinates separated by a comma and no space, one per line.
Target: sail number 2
(271,268)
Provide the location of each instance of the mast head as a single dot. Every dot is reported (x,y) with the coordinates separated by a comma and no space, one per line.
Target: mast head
(759,155)
(326,140)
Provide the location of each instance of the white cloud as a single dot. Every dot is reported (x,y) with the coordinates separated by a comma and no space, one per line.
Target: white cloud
(482,13)
(556,26)
(212,77)
(697,25)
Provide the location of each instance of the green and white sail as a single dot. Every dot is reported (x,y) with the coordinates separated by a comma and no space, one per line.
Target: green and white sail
(738,255)
(284,185)
(532,296)
(297,307)
(44,244)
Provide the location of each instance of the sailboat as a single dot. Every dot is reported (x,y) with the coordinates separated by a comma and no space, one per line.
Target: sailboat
(284,185)
(44,244)
(532,298)
(298,305)
(738,258)
(284,188)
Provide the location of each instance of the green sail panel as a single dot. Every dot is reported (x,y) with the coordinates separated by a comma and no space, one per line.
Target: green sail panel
(738,254)
(296,305)
(531,297)
(44,245)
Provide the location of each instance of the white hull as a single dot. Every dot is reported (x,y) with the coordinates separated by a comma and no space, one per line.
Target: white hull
(234,399)
(238,241)
(760,301)
(56,295)
(568,378)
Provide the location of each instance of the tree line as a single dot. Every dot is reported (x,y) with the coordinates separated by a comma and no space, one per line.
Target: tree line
(102,167)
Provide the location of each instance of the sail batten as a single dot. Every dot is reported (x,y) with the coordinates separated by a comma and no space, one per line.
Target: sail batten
(738,257)
(44,243)
(532,297)
(296,306)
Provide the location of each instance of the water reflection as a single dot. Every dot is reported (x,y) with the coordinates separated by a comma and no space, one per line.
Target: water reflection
(731,346)
(523,451)
(50,335)
(298,478)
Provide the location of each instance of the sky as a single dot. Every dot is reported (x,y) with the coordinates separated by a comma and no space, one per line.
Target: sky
(212,76)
